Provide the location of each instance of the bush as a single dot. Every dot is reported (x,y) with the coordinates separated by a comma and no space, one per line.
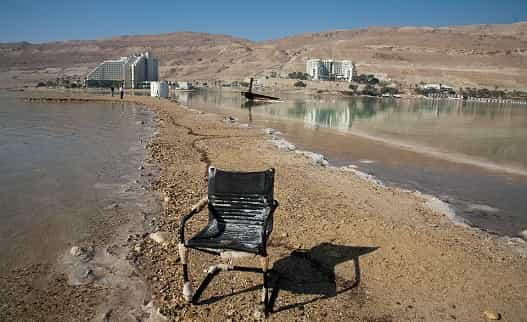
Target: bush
(298,75)
(300,84)
(389,90)
(367,79)
(370,90)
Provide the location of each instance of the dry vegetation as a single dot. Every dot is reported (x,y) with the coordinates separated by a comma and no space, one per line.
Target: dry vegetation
(482,55)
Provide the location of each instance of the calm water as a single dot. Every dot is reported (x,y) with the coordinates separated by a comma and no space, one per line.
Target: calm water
(472,155)
(58,166)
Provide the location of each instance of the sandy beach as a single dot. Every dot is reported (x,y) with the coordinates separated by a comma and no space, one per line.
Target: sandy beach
(346,248)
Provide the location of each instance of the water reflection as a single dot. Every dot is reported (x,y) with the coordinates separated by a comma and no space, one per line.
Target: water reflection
(494,133)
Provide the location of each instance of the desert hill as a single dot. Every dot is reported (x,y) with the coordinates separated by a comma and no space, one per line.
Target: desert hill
(476,55)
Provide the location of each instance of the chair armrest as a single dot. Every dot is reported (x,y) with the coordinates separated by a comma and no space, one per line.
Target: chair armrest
(268,224)
(194,210)
(200,204)
(275,204)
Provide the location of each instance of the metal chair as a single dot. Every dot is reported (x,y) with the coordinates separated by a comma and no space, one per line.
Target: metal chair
(241,207)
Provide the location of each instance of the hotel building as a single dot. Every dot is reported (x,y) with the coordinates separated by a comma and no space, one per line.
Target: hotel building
(330,69)
(130,71)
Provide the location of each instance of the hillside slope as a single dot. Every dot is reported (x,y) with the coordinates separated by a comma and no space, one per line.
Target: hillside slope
(479,55)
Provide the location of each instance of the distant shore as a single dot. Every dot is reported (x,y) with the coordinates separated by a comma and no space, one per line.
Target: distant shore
(418,256)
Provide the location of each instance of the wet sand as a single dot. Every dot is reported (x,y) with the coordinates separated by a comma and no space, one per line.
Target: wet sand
(73,201)
(347,249)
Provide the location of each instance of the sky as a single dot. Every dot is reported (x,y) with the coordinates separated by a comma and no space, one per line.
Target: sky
(50,20)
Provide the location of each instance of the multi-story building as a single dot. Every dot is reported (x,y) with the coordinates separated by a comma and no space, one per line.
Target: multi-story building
(330,69)
(130,71)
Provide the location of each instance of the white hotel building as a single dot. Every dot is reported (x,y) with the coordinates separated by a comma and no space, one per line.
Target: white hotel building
(330,69)
(131,70)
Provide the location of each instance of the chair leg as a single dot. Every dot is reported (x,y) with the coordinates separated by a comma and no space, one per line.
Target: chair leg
(187,285)
(265,289)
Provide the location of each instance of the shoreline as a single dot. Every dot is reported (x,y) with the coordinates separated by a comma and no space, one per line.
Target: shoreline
(433,202)
(407,235)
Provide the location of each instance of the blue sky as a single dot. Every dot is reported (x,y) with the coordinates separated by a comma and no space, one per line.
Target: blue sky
(42,21)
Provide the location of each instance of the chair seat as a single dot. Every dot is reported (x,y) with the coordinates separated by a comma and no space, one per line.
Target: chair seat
(217,235)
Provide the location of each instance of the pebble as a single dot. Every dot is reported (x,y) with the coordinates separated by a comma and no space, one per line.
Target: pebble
(159,237)
(258,314)
(492,315)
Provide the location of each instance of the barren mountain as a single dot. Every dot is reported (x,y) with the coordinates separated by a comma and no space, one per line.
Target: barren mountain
(479,55)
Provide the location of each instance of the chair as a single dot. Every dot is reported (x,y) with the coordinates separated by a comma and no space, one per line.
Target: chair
(241,207)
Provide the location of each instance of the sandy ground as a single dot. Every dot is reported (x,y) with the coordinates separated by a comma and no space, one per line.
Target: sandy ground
(346,249)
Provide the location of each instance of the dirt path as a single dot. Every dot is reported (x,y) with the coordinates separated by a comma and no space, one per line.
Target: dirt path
(346,249)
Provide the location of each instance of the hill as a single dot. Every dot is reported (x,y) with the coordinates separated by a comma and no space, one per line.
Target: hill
(476,55)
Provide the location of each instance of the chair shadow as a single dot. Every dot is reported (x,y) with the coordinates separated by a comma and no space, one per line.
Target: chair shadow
(312,272)
(309,272)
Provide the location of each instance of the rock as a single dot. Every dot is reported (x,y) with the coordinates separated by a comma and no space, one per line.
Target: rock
(492,315)
(159,237)
(81,252)
(230,119)
(316,159)
(76,251)
(137,248)
(112,206)
(524,234)
(284,145)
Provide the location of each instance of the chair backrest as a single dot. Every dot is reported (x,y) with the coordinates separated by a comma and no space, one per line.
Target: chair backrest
(241,197)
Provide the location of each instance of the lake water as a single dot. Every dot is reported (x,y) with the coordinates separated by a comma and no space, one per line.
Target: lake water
(471,155)
(68,174)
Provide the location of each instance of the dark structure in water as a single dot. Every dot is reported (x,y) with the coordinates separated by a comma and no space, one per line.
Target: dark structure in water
(254,96)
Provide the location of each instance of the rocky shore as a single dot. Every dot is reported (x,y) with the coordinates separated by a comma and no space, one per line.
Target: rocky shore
(346,248)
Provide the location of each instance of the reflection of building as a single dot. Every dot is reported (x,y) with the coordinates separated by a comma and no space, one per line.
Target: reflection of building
(338,119)
(132,71)
(184,85)
(329,69)
(159,89)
